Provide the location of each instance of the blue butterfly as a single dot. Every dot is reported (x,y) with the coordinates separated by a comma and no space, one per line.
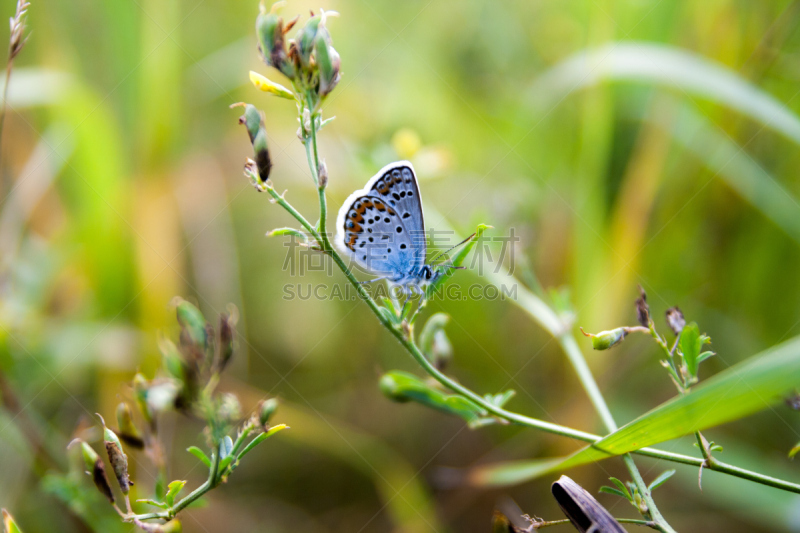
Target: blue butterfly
(382,228)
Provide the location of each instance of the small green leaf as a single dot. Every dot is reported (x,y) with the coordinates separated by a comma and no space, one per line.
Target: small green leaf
(261,438)
(794,450)
(502,398)
(154,503)
(174,488)
(325,123)
(390,305)
(197,452)
(715,447)
(703,356)
(457,260)
(690,347)
(622,488)
(389,315)
(404,387)
(611,490)
(657,482)
(288,231)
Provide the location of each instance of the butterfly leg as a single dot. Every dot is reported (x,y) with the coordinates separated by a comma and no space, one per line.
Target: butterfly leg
(368,281)
(403,311)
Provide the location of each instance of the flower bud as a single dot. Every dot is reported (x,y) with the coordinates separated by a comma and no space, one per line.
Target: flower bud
(253,120)
(269,86)
(265,410)
(171,358)
(270,33)
(642,309)
(406,143)
(229,408)
(194,328)
(117,458)
(675,320)
(94,467)
(328,62)
(162,395)
(305,38)
(433,341)
(322,171)
(128,431)
(606,339)
(227,334)
(140,388)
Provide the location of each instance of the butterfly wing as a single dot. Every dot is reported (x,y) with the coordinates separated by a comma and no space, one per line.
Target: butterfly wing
(381,226)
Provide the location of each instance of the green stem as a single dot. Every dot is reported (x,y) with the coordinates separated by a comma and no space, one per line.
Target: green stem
(209,484)
(567,342)
(575,356)
(550,322)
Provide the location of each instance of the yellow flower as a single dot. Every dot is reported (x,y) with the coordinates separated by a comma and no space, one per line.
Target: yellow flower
(269,86)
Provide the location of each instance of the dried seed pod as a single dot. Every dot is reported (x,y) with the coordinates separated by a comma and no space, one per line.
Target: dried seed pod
(270,33)
(675,320)
(322,172)
(95,468)
(642,309)
(253,120)
(585,513)
(117,458)
(227,336)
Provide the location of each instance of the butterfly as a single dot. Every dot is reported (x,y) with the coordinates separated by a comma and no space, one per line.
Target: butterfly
(382,228)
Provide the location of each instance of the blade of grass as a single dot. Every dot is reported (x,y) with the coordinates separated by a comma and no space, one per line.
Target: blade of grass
(746,388)
(665,66)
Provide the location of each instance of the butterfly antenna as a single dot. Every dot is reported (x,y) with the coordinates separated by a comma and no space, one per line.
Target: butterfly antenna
(465,241)
(452,266)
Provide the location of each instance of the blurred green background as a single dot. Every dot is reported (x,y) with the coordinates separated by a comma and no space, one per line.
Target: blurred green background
(664,156)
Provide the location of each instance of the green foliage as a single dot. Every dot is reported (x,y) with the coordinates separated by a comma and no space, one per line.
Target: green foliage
(404,387)
(661,479)
(743,389)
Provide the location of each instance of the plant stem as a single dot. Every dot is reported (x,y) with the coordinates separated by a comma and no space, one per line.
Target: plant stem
(575,356)
(567,342)
(540,525)
(547,318)
(209,484)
